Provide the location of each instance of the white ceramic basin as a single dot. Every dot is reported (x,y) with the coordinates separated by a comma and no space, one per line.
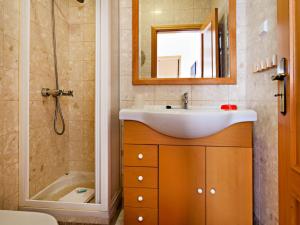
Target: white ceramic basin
(191,123)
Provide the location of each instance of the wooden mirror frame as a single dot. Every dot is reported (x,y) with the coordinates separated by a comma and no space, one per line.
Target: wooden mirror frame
(183,81)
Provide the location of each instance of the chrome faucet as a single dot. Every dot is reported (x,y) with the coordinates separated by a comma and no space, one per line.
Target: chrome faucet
(46,92)
(185,99)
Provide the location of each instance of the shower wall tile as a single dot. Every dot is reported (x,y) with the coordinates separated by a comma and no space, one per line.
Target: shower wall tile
(43,14)
(89,12)
(48,151)
(75,15)
(10,51)
(9,60)
(9,84)
(89,71)
(80,165)
(76,69)
(89,32)
(75,33)
(88,110)
(1,47)
(82,32)
(10,21)
(10,116)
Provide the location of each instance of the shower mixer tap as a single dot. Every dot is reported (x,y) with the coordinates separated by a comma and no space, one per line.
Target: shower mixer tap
(46,92)
(185,100)
(67,93)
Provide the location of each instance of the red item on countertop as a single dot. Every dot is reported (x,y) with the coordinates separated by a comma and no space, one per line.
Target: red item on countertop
(229,107)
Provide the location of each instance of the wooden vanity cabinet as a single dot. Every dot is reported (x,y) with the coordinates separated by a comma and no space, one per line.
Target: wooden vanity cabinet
(141,184)
(228,186)
(181,185)
(205,181)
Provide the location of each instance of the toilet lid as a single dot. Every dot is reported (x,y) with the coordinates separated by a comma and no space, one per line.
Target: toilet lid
(25,218)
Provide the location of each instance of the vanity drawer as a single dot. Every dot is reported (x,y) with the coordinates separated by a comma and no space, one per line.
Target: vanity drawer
(141,155)
(140,177)
(140,197)
(138,216)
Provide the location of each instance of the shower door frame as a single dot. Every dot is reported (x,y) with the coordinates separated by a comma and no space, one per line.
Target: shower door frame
(102,83)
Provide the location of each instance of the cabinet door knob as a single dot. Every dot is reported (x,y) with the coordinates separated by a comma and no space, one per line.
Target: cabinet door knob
(213,191)
(140,178)
(140,219)
(140,156)
(140,198)
(200,191)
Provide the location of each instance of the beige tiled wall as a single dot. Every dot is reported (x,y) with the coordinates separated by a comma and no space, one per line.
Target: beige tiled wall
(9,58)
(82,81)
(260,96)
(48,151)
(51,155)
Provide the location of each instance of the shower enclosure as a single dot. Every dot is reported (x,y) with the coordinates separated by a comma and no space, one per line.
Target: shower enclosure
(61,143)
(69,161)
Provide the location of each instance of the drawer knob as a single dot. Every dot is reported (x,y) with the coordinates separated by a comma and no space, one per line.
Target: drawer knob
(140,198)
(140,219)
(140,156)
(213,191)
(200,191)
(140,178)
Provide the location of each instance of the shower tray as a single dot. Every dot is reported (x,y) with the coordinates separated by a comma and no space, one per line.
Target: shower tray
(66,184)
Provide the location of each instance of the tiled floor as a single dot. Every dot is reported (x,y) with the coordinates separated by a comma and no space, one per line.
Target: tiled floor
(120,220)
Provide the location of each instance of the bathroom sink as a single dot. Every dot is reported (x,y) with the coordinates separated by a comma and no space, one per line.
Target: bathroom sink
(188,123)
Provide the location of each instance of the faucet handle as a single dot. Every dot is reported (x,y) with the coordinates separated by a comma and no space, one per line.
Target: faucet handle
(185,95)
(67,93)
(185,100)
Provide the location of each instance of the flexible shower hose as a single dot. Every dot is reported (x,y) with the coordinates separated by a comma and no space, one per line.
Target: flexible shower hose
(58,112)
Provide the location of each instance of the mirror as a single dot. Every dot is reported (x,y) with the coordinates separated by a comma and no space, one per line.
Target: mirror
(184,42)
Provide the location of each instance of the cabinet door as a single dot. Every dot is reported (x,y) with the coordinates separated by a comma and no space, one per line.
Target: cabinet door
(181,185)
(229,186)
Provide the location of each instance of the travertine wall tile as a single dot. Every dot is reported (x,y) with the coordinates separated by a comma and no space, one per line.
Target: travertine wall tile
(260,97)
(9,117)
(82,30)
(75,30)
(48,151)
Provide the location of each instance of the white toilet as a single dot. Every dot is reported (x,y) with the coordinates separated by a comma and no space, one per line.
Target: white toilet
(25,218)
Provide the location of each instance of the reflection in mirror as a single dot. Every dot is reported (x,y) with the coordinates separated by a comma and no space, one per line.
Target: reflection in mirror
(184,39)
(176,54)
